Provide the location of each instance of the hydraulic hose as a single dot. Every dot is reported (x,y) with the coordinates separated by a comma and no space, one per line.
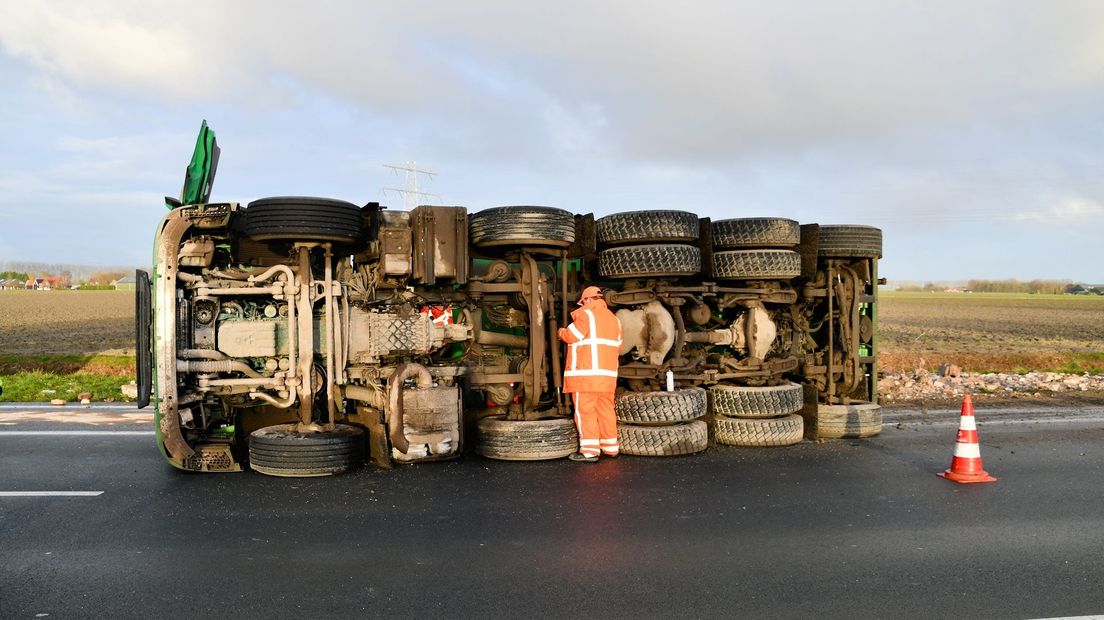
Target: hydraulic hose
(216,366)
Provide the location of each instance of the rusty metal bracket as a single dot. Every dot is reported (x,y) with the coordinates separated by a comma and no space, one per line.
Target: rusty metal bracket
(535,292)
(485,288)
(482,378)
(165,336)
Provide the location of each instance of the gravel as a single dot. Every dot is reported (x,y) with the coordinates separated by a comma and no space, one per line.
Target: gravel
(922,385)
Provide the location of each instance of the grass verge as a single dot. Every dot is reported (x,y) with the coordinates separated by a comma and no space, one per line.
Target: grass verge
(1019,363)
(105,365)
(37,386)
(35,378)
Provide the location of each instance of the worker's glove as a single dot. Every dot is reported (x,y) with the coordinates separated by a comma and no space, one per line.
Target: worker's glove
(562,333)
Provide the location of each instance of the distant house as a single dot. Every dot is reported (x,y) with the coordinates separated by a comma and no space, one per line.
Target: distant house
(126,283)
(10,284)
(45,283)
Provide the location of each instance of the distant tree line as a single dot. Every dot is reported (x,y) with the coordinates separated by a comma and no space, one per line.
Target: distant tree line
(1040,287)
(105,277)
(92,274)
(1031,287)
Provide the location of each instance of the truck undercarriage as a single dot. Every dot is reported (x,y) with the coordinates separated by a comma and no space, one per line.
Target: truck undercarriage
(305,335)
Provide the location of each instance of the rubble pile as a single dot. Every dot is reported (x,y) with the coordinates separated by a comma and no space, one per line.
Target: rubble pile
(950,383)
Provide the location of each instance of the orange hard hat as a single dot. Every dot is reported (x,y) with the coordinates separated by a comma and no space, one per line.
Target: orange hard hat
(588,292)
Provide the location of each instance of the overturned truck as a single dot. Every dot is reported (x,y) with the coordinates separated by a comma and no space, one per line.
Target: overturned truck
(303,336)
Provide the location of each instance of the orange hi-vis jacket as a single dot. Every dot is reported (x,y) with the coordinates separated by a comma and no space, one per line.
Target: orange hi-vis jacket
(594,340)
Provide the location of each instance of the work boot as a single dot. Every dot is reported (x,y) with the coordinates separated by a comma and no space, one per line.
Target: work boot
(579,457)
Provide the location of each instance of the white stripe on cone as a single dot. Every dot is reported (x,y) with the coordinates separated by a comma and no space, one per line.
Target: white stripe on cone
(967,451)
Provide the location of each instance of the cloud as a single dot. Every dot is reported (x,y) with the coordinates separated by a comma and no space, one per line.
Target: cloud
(93,46)
(1067,212)
(927,119)
(656,81)
(112,157)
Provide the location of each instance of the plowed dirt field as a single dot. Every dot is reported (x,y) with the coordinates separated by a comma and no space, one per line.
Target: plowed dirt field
(991,332)
(66,322)
(979,332)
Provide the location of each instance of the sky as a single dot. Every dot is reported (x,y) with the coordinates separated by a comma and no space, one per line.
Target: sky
(971,133)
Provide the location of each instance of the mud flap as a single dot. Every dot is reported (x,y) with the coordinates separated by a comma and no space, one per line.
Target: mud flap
(810,406)
(379,446)
(143,342)
(810,241)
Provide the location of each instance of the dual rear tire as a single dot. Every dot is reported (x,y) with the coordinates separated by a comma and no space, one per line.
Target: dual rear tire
(758,416)
(648,244)
(662,423)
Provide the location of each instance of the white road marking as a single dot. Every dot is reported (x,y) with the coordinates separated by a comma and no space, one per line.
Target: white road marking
(50,493)
(986,413)
(990,423)
(49,407)
(1093,617)
(93,418)
(78,433)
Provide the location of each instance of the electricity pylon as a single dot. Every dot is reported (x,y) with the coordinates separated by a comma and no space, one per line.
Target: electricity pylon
(410,193)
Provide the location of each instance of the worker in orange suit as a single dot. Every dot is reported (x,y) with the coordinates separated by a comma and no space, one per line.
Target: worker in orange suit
(590,373)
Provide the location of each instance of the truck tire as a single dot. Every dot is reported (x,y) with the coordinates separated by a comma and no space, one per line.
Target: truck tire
(771,432)
(848,240)
(757,265)
(647,226)
(523,226)
(661,407)
(282,451)
(671,440)
(637,261)
(302,218)
(756,402)
(756,232)
(519,440)
(848,421)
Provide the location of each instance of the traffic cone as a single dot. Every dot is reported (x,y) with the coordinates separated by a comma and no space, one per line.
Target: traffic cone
(966,464)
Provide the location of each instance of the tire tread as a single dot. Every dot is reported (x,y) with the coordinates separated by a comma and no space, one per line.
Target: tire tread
(762,433)
(756,232)
(657,407)
(672,440)
(667,259)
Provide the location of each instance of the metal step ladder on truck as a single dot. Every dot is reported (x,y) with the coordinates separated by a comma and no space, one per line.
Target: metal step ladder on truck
(304,336)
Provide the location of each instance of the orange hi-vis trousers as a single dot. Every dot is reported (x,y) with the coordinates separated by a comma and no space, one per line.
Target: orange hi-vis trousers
(596,422)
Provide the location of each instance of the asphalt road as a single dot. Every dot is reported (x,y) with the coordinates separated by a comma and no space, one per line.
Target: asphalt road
(836,529)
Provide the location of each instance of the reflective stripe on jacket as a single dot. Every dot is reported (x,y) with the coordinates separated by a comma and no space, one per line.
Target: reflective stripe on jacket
(594,340)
